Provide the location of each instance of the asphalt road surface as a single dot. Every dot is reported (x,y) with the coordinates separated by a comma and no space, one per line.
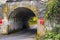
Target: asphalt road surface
(22,35)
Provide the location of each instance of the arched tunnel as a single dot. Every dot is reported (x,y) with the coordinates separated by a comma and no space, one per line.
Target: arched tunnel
(19,18)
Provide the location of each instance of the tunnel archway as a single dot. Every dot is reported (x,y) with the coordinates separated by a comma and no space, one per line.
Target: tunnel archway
(20,18)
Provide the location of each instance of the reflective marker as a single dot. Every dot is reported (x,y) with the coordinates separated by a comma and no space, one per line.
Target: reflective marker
(0,20)
(42,21)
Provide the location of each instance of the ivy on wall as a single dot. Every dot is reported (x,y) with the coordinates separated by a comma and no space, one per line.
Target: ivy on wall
(52,9)
(52,12)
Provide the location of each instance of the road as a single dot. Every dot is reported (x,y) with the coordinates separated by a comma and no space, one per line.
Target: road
(22,35)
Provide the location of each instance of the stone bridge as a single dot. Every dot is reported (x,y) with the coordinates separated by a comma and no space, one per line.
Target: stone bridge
(23,9)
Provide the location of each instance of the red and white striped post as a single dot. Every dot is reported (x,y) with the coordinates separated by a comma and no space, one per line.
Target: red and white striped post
(40,28)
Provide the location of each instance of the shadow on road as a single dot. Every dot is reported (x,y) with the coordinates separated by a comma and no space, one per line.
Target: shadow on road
(30,31)
(18,35)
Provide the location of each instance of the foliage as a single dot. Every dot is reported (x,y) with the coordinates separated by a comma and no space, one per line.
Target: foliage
(51,14)
(52,36)
(52,9)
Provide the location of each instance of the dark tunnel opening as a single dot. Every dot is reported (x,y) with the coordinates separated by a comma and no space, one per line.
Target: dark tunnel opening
(21,17)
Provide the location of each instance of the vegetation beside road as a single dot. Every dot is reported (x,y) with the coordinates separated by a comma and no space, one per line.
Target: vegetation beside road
(52,14)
